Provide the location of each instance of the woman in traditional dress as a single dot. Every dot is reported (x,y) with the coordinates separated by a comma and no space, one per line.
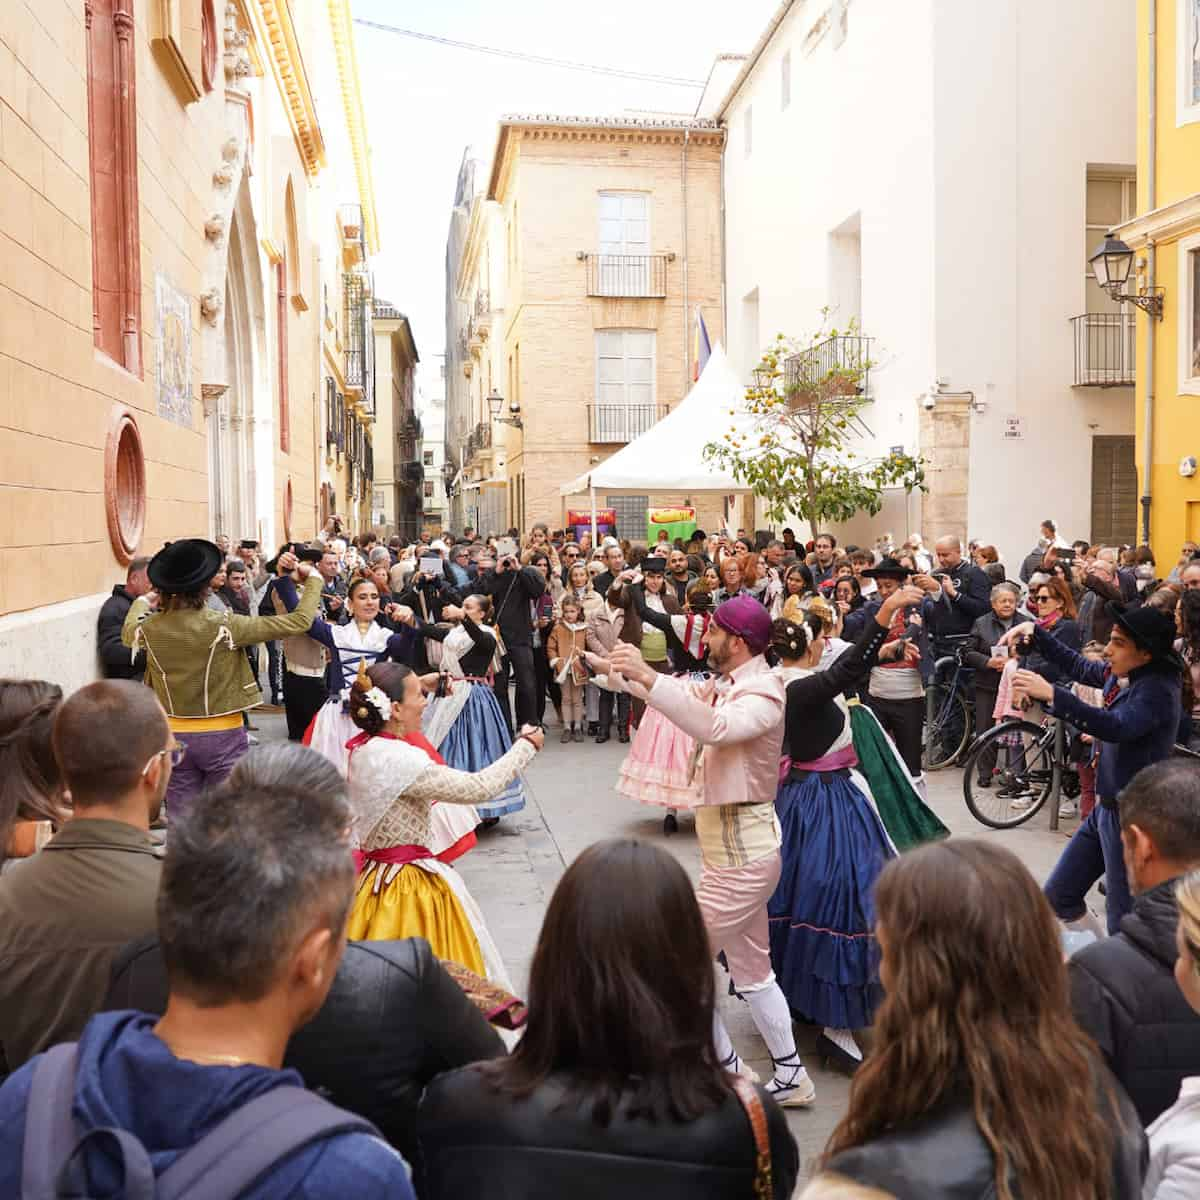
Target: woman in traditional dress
(403,890)
(834,844)
(660,766)
(465,724)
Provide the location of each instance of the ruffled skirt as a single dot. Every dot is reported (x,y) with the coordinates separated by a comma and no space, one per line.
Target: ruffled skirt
(425,899)
(822,915)
(656,769)
(906,817)
(476,739)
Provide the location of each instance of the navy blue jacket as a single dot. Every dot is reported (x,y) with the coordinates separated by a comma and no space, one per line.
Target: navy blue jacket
(953,618)
(128,1079)
(1140,723)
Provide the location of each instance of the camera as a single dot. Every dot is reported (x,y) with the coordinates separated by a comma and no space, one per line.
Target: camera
(939,575)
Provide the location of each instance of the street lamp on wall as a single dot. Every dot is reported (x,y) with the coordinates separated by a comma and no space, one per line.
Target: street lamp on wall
(1111,264)
(496,403)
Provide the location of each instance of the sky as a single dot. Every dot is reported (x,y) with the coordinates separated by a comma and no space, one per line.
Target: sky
(426,102)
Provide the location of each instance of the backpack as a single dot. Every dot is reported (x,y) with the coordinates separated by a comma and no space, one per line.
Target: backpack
(226,1161)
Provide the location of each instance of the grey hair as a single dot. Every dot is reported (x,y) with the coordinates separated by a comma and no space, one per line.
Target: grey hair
(1005,587)
(378,554)
(250,867)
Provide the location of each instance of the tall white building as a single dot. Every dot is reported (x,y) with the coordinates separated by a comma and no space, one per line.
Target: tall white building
(432,412)
(939,171)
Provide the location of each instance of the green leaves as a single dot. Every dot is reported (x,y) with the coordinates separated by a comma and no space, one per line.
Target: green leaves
(800,455)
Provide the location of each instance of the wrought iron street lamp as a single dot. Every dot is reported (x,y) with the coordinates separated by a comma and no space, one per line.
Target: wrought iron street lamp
(1111,264)
(764,377)
(496,403)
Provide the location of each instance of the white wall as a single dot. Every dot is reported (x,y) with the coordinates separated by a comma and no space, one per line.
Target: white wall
(1020,113)
(959,132)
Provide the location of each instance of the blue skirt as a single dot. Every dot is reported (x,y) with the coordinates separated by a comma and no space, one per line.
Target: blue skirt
(476,739)
(822,914)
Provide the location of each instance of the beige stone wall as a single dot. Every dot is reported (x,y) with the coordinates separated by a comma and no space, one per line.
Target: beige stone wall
(946,445)
(550,190)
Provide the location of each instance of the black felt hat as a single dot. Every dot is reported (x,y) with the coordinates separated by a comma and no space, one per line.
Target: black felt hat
(656,564)
(1151,629)
(888,568)
(187,565)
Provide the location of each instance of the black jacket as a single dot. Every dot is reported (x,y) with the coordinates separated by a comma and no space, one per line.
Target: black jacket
(951,618)
(511,592)
(480,1143)
(476,661)
(1065,631)
(114,655)
(986,633)
(393,1020)
(943,1156)
(1124,994)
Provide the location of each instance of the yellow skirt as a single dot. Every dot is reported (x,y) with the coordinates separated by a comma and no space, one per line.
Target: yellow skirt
(414,903)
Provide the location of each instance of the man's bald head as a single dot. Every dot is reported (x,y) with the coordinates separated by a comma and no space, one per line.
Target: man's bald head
(949,551)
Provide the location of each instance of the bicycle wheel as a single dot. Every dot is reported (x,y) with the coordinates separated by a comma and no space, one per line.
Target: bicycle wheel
(1021,778)
(947,726)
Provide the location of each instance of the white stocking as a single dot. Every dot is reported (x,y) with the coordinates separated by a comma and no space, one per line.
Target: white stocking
(770,1011)
(721,1039)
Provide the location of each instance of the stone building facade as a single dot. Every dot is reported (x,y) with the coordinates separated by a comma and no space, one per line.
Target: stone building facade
(398,470)
(580,269)
(160,195)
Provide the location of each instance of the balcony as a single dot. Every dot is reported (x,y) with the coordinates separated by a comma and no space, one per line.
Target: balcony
(482,314)
(412,473)
(627,276)
(359,339)
(483,435)
(354,238)
(840,365)
(1104,349)
(617,423)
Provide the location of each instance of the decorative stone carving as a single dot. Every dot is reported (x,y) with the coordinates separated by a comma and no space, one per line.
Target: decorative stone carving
(210,396)
(214,227)
(211,305)
(231,150)
(223,176)
(237,53)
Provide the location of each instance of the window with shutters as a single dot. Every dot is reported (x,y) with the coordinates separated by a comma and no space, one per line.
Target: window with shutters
(625,405)
(1189,315)
(1114,491)
(623,265)
(113,163)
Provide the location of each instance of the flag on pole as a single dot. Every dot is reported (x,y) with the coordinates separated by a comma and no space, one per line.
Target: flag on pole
(701,346)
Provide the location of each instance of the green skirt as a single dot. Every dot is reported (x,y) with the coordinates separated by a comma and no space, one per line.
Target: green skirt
(907,818)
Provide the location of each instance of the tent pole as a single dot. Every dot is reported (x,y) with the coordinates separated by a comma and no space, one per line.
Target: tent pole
(592,489)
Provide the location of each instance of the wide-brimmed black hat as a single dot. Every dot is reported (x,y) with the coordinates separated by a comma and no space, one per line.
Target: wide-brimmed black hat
(888,568)
(1152,629)
(656,564)
(187,565)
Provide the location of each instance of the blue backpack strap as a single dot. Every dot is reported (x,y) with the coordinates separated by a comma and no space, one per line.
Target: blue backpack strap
(49,1126)
(250,1141)
(137,1172)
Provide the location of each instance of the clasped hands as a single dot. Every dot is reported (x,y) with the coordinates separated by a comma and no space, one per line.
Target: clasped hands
(1027,685)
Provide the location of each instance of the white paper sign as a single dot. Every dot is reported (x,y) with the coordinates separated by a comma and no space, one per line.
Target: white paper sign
(1014,427)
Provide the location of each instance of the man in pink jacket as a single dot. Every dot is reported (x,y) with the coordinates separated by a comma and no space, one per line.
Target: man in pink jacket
(738,724)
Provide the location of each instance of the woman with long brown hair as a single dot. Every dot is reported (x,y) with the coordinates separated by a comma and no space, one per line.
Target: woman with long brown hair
(978,1060)
(31,804)
(616,1088)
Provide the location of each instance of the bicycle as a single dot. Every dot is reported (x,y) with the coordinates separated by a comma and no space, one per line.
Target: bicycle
(949,708)
(1031,765)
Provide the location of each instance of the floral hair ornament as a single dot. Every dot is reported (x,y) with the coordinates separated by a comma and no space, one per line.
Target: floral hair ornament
(376,697)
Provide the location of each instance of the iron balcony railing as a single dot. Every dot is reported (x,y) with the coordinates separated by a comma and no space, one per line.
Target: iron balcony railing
(844,359)
(1104,349)
(483,304)
(610,423)
(359,335)
(627,275)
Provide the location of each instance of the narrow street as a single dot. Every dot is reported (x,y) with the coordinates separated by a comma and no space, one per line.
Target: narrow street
(513,871)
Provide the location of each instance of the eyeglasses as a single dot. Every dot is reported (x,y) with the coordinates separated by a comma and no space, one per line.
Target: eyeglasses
(1045,598)
(176,750)
(570,553)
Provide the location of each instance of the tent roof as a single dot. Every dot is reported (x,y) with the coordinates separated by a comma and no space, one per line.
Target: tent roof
(669,456)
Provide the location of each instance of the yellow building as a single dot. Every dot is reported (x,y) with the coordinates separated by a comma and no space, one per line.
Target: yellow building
(165,190)
(1166,240)
(581,268)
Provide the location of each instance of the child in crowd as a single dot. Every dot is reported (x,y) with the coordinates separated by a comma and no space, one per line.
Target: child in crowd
(565,648)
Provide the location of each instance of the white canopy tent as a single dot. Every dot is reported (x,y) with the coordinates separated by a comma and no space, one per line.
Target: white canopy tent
(669,456)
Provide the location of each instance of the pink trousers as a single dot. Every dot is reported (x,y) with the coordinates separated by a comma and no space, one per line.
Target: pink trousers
(733,901)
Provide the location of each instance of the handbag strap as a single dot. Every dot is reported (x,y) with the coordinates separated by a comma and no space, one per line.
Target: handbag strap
(757,1116)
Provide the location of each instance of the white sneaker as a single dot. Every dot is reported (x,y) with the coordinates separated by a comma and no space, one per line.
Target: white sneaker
(792,1088)
(1068,808)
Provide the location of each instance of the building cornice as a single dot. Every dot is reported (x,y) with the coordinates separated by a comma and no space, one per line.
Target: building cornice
(755,54)
(341,23)
(1162,224)
(290,75)
(628,131)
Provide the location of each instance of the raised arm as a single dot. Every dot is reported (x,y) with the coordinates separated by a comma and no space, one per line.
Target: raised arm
(248,631)
(1125,722)
(448,786)
(844,672)
(1080,669)
(740,720)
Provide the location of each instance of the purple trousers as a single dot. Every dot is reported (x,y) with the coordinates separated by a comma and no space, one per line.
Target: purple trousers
(209,758)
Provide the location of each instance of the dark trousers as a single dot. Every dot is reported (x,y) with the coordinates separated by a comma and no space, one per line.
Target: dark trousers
(1095,850)
(904,721)
(985,701)
(545,683)
(303,696)
(500,691)
(275,671)
(518,666)
(606,710)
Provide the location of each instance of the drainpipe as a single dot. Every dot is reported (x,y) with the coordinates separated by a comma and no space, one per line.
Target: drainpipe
(683,181)
(1151,265)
